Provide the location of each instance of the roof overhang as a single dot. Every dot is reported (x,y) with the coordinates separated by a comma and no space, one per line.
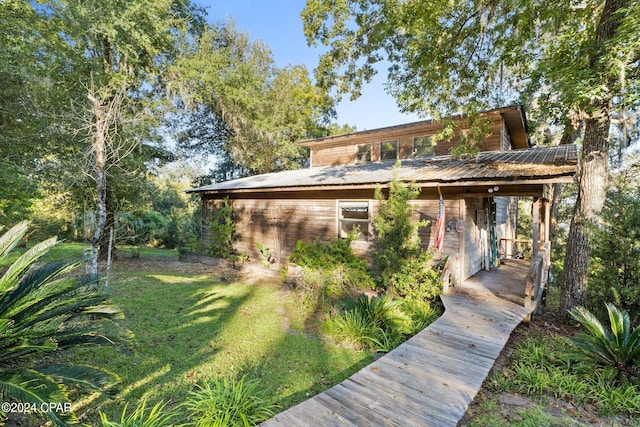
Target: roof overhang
(534,166)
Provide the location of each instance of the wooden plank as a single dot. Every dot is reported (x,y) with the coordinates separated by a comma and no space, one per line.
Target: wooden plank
(309,413)
(420,402)
(428,380)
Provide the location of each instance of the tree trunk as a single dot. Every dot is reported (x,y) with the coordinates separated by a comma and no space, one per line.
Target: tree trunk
(594,167)
(105,241)
(591,195)
(98,146)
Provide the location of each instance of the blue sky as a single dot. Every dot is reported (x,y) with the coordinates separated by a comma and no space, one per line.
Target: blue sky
(278,24)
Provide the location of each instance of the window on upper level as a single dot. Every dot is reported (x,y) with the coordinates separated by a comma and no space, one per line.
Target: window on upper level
(363,154)
(388,150)
(423,146)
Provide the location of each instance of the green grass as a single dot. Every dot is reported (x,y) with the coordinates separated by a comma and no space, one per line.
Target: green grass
(194,328)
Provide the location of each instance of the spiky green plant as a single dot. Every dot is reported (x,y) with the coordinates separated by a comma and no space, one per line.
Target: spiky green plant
(156,416)
(44,310)
(229,403)
(379,311)
(618,346)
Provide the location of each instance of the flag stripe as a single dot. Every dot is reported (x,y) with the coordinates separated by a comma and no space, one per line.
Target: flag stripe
(442,213)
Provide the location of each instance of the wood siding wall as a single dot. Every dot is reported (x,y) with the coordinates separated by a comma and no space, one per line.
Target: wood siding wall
(279,223)
(342,150)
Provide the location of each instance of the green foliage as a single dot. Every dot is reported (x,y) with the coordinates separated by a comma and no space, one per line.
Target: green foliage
(541,367)
(330,269)
(44,311)
(373,323)
(156,416)
(221,230)
(266,253)
(615,262)
(397,235)
(228,403)
(418,279)
(405,269)
(137,229)
(617,347)
(256,111)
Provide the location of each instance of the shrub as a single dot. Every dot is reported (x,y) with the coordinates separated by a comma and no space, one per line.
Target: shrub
(397,235)
(615,263)
(221,230)
(137,229)
(331,270)
(157,416)
(617,347)
(418,279)
(43,311)
(227,403)
(373,323)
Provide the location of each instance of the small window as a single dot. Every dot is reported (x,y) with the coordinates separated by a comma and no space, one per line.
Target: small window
(354,214)
(423,146)
(388,150)
(363,154)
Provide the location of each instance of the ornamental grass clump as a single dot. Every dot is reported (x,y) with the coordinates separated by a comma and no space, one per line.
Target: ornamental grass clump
(229,403)
(370,323)
(142,416)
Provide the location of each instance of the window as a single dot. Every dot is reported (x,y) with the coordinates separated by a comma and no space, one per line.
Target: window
(388,150)
(423,146)
(363,154)
(353,214)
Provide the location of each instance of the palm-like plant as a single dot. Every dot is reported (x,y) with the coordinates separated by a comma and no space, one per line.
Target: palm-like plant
(618,346)
(44,310)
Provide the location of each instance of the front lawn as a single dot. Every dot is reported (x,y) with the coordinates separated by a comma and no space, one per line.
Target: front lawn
(192,327)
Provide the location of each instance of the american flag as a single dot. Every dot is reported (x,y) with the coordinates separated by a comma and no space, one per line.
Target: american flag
(442,213)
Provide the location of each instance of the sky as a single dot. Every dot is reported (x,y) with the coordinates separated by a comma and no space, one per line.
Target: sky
(278,24)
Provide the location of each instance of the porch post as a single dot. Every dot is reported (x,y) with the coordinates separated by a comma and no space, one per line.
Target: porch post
(547,220)
(536,225)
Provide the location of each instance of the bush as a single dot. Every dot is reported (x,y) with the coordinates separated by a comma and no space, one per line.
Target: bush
(617,347)
(373,323)
(137,229)
(397,235)
(221,230)
(331,270)
(418,279)
(615,263)
(541,367)
(227,403)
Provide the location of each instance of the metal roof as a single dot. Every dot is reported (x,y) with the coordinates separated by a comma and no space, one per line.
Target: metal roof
(515,165)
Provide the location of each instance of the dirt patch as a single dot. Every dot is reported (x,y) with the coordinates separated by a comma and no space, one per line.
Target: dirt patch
(227,271)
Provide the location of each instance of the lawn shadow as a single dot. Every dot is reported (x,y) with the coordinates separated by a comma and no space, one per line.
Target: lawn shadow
(176,321)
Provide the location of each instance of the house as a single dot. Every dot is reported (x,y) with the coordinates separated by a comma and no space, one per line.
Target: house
(336,192)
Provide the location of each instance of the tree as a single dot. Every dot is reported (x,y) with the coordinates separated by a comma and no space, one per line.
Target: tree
(615,266)
(114,55)
(254,111)
(578,60)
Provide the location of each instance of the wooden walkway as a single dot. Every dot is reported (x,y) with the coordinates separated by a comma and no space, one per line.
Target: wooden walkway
(430,379)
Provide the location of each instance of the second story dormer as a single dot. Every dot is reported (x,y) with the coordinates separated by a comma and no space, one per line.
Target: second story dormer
(507,130)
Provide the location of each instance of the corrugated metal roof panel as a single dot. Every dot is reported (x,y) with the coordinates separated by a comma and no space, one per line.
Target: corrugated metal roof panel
(528,163)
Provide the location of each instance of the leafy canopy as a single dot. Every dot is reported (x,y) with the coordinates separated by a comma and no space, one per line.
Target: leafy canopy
(445,56)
